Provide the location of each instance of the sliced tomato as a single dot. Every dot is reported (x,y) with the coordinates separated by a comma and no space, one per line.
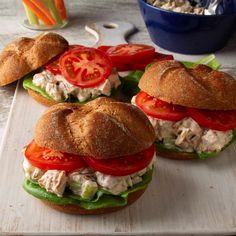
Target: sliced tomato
(53,64)
(162,57)
(122,166)
(158,108)
(103,48)
(133,56)
(48,159)
(85,67)
(217,120)
(131,51)
(124,55)
(158,57)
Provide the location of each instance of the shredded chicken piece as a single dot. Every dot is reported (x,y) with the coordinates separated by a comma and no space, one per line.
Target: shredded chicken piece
(214,141)
(54,181)
(188,134)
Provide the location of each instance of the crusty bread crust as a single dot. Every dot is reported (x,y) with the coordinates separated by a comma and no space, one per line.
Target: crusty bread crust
(42,100)
(200,87)
(103,128)
(28,54)
(73,209)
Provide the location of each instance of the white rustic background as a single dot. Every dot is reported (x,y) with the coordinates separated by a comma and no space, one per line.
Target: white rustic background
(184,197)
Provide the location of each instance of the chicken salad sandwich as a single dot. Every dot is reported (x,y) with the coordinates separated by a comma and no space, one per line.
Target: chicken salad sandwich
(90,159)
(193,111)
(55,72)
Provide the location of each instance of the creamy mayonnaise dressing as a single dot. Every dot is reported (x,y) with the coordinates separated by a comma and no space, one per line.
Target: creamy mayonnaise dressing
(214,140)
(188,135)
(31,172)
(60,89)
(84,182)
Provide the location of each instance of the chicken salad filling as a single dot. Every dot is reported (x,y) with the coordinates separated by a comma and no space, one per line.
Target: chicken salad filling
(182,6)
(84,182)
(57,87)
(188,136)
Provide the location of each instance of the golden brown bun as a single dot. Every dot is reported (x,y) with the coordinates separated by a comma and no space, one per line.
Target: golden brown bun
(73,209)
(102,128)
(28,54)
(42,100)
(176,155)
(200,87)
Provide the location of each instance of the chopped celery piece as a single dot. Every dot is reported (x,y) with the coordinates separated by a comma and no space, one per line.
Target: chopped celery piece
(209,60)
(53,10)
(32,18)
(89,188)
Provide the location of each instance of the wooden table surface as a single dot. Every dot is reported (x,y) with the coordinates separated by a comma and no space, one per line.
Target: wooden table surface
(82,12)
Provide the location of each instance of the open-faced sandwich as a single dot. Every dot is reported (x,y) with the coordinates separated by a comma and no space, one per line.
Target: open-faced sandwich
(56,72)
(90,159)
(193,111)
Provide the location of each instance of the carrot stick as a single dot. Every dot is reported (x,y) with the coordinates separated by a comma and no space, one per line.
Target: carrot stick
(61,8)
(41,15)
(40,5)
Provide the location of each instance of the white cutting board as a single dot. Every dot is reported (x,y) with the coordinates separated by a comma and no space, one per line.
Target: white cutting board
(185,197)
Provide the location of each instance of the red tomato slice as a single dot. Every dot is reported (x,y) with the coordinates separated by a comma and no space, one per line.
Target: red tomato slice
(120,66)
(159,109)
(162,57)
(124,55)
(133,56)
(48,159)
(217,120)
(103,48)
(122,166)
(53,64)
(158,57)
(85,67)
(134,51)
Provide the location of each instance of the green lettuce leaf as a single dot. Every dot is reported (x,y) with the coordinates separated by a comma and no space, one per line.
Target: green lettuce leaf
(102,199)
(130,83)
(209,60)
(203,155)
(161,147)
(28,84)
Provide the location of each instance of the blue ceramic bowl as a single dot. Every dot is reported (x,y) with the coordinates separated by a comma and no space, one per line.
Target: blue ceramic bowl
(187,33)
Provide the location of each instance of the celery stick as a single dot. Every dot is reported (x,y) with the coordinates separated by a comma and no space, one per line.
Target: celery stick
(210,61)
(32,18)
(52,8)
